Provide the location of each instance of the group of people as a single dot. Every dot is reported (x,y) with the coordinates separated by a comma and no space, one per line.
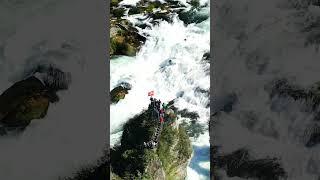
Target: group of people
(157,107)
(156,104)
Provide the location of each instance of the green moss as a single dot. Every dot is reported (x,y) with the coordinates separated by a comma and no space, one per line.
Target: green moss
(118,46)
(118,93)
(34,107)
(132,161)
(150,8)
(114,2)
(184,145)
(122,45)
(167,138)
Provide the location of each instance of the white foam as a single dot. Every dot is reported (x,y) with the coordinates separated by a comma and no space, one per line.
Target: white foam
(150,70)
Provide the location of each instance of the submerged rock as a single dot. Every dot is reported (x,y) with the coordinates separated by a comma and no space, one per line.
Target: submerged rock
(206,57)
(192,16)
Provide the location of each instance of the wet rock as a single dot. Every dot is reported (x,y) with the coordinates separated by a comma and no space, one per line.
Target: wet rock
(25,101)
(206,57)
(124,38)
(192,16)
(118,93)
(117,12)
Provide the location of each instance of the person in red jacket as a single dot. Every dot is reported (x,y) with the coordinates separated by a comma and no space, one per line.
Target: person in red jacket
(161,119)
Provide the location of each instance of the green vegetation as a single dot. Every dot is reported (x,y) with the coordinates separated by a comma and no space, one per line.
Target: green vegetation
(193,129)
(131,160)
(115,2)
(167,138)
(184,145)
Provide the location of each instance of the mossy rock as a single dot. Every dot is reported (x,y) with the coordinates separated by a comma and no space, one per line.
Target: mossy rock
(131,160)
(33,107)
(123,45)
(124,38)
(24,101)
(118,93)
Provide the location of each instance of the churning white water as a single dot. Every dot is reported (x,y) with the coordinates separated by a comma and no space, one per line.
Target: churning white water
(73,133)
(150,70)
(256,42)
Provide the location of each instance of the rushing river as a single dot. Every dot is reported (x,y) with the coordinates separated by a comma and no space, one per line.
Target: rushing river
(179,79)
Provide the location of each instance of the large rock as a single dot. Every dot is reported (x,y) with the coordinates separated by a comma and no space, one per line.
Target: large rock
(131,160)
(29,99)
(124,38)
(119,93)
(24,101)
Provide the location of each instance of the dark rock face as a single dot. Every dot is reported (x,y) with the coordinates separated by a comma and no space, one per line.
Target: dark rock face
(206,57)
(22,102)
(119,92)
(29,99)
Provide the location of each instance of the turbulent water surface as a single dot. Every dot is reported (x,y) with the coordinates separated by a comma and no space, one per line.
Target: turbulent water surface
(150,70)
(255,43)
(72,134)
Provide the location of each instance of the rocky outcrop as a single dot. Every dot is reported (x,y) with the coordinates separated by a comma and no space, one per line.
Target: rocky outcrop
(119,92)
(131,160)
(124,38)
(29,99)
